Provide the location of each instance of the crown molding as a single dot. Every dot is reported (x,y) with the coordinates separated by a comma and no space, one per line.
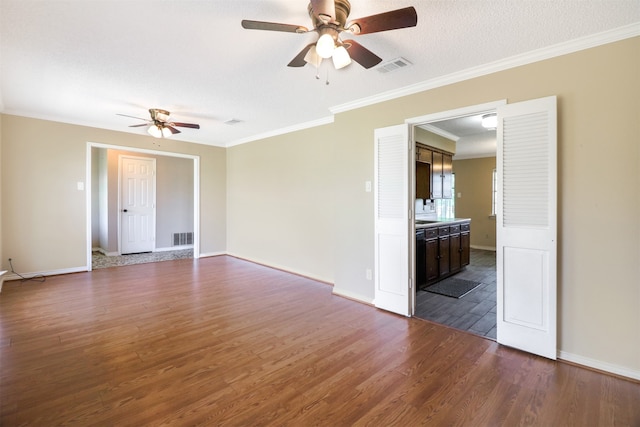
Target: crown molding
(582,43)
(441,132)
(282,131)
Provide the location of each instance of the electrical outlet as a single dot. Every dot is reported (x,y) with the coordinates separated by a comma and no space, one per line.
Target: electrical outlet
(368,274)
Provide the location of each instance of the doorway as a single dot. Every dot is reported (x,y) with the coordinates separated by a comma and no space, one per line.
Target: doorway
(474,165)
(178,227)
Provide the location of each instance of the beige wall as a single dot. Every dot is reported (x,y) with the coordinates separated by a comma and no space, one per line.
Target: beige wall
(281,203)
(598,92)
(473,199)
(436,141)
(44,214)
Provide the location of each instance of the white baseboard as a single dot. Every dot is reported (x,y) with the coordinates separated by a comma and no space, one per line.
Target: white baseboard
(173,248)
(210,254)
(14,276)
(2,273)
(104,252)
(599,365)
(351,295)
(283,268)
(484,248)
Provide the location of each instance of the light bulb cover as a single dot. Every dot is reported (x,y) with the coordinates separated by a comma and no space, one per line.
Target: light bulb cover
(312,57)
(341,57)
(155,131)
(325,46)
(166,132)
(490,121)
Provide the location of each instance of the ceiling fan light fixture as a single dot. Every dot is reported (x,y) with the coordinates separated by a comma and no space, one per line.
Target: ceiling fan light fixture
(325,46)
(166,132)
(312,57)
(155,131)
(341,57)
(490,121)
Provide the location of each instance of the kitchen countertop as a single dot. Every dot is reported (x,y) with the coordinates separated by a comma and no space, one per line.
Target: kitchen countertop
(437,222)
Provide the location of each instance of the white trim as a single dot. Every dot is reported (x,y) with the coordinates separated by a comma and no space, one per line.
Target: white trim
(281,268)
(173,248)
(484,248)
(597,364)
(458,112)
(15,276)
(282,131)
(441,132)
(351,295)
(210,254)
(582,43)
(2,273)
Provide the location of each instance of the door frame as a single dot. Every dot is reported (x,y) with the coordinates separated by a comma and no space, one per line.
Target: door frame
(434,117)
(196,192)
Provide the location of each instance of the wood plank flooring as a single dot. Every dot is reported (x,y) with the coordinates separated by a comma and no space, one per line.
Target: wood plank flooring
(221,341)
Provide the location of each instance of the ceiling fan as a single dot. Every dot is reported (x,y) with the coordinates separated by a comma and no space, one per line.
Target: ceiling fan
(329,21)
(161,125)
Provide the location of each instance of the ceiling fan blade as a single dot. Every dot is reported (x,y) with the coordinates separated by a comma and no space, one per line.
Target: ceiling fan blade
(325,10)
(299,61)
(137,126)
(361,54)
(185,125)
(273,26)
(133,117)
(400,18)
(172,129)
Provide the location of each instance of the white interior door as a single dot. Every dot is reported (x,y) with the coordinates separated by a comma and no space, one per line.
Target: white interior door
(527,226)
(137,204)
(392,219)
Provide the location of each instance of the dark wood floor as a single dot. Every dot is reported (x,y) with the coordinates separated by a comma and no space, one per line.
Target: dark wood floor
(220,341)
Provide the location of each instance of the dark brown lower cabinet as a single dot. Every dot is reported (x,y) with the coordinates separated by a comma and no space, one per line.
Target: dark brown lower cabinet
(446,251)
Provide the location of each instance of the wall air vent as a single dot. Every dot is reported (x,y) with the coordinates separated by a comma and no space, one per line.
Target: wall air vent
(183,239)
(393,65)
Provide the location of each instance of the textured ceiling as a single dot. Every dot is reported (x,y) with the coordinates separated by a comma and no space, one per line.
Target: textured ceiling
(82,62)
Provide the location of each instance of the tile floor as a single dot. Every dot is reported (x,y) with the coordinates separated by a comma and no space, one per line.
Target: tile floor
(99,260)
(476,311)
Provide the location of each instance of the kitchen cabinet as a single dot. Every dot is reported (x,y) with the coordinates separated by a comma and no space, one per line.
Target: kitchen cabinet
(445,251)
(441,170)
(421,267)
(431,255)
(423,180)
(433,173)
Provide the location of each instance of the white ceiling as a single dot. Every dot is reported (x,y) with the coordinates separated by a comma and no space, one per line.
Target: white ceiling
(82,62)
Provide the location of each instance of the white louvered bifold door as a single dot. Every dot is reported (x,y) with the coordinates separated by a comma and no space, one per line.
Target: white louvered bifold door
(391,200)
(526,226)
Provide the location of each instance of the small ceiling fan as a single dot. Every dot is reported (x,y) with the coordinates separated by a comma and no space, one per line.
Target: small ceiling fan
(160,124)
(329,21)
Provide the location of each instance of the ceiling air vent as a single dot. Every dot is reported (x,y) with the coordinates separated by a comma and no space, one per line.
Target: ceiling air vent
(393,65)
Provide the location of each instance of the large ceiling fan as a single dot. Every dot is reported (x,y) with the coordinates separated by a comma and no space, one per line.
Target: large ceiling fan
(329,21)
(161,125)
